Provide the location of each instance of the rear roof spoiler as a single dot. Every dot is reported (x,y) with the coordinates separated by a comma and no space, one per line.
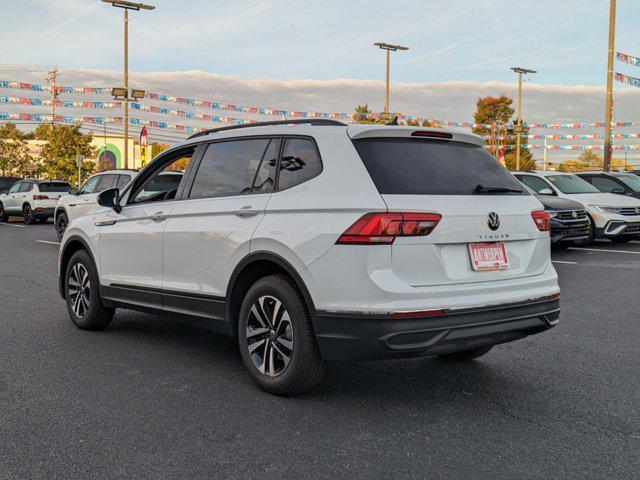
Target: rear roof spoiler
(373,131)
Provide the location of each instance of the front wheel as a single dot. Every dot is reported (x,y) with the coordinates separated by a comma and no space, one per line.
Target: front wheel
(27,215)
(621,239)
(83,294)
(466,355)
(276,339)
(61,224)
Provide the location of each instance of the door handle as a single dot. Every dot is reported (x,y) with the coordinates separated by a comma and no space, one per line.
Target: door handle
(246,211)
(158,217)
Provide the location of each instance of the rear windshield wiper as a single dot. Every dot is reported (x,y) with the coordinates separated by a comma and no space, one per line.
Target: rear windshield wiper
(495,188)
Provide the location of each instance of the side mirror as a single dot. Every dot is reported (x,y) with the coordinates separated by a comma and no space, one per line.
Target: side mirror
(619,191)
(73,191)
(546,191)
(110,198)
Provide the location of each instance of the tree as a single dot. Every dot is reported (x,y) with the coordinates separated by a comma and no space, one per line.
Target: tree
(497,111)
(64,142)
(589,158)
(156,148)
(14,152)
(362,115)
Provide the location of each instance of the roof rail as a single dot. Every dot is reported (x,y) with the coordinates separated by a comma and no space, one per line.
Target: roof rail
(310,121)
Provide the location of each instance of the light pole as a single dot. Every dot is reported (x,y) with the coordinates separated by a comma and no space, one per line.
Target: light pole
(389,48)
(520,71)
(126,6)
(608,107)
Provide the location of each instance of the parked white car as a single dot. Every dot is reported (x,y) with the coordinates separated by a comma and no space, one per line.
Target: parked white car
(313,241)
(33,200)
(80,202)
(612,216)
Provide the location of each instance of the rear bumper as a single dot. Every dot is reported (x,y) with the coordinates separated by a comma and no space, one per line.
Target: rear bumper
(370,337)
(43,212)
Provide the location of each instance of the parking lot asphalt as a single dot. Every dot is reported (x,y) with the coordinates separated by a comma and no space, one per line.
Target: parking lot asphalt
(151,398)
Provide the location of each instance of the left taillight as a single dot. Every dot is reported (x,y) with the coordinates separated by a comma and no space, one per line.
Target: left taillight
(542,220)
(40,197)
(384,228)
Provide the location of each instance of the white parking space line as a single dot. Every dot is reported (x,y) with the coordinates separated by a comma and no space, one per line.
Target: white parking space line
(12,225)
(603,250)
(48,242)
(565,263)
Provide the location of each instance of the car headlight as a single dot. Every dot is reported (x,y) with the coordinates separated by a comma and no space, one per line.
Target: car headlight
(605,209)
(553,214)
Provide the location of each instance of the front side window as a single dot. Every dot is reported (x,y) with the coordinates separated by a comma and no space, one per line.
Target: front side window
(231,167)
(90,185)
(534,183)
(605,184)
(571,184)
(106,182)
(163,183)
(122,181)
(631,181)
(16,187)
(300,162)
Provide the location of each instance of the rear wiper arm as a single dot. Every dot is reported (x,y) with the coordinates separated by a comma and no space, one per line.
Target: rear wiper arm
(494,188)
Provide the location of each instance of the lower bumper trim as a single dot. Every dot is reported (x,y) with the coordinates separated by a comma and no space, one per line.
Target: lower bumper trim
(369,337)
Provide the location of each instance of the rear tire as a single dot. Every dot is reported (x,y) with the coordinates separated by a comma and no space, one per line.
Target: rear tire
(466,355)
(82,292)
(276,339)
(3,214)
(27,215)
(61,223)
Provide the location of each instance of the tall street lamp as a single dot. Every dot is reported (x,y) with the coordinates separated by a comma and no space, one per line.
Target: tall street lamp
(609,96)
(126,6)
(520,71)
(389,48)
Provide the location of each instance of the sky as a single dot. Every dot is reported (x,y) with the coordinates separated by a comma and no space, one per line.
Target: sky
(311,55)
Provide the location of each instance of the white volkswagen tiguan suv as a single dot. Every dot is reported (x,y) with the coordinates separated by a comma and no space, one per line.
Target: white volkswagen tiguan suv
(313,241)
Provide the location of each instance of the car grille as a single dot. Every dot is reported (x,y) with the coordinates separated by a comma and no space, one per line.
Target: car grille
(630,211)
(632,228)
(569,215)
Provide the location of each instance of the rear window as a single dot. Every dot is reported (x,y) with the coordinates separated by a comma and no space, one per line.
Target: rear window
(409,166)
(54,187)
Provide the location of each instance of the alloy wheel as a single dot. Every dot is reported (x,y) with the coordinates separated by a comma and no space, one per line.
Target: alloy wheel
(79,290)
(269,336)
(27,215)
(61,225)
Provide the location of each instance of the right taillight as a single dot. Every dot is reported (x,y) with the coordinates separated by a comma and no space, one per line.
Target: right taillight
(542,220)
(383,228)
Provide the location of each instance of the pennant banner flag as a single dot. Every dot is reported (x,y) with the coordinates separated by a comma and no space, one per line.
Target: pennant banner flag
(627,79)
(628,59)
(561,136)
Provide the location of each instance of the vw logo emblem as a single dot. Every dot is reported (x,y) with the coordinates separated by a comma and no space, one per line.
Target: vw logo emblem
(493,220)
(574,214)
(638,210)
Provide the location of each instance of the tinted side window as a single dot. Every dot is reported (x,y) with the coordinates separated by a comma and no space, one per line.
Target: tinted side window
(123,180)
(25,187)
(229,168)
(16,188)
(54,187)
(107,181)
(534,183)
(164,182)
(300,162)
(605,184)
(90,185)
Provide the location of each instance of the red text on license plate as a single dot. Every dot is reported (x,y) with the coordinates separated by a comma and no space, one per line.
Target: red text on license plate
(488,256)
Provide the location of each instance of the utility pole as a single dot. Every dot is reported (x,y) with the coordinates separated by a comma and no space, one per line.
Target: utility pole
(609,96)
(520,71)
(389,48)
(126,6)
(53,74)
(544,154)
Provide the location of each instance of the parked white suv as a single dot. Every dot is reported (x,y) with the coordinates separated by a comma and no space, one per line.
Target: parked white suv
(612,216)
(32,199)
(80,202)
(313,241)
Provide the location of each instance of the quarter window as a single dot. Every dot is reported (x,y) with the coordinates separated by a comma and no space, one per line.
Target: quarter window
(229,168)
(300,162)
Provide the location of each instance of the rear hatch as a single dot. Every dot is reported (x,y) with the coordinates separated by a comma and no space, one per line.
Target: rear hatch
(50,192)
(464,184)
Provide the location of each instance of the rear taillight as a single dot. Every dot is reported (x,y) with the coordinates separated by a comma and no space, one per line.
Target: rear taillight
(40,197)
(541,218)
(383,228)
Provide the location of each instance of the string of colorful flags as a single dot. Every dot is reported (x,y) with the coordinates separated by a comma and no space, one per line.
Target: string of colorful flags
(631,60)
(590,136)
(627,79)
(254,110)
